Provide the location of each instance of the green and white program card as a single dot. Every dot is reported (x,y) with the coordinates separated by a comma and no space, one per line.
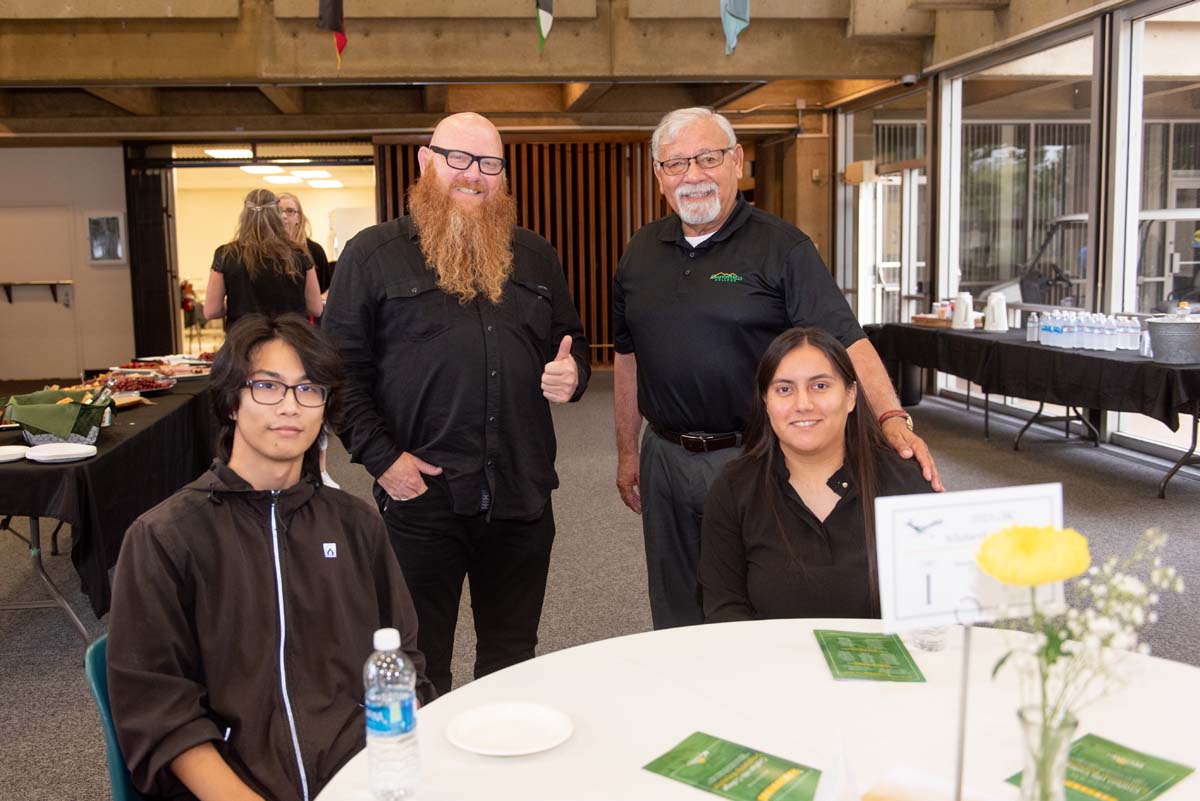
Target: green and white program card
(735,771)
(1101,770)
(874,657)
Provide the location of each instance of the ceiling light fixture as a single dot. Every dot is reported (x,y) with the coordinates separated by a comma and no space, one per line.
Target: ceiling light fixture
(261,169)
(335,184)
(312,174)
(292,161)
(230,153)
(282,179)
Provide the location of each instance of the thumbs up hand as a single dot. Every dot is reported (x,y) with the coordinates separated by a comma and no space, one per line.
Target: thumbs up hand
(561,375)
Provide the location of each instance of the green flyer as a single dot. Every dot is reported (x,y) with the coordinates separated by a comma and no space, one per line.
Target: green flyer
(1101,770)
(876,657)
(735,771)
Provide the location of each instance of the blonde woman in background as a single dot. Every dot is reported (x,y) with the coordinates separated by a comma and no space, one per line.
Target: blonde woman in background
(299,230)
(261,270)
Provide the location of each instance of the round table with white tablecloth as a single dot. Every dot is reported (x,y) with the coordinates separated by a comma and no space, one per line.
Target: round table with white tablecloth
(766,685)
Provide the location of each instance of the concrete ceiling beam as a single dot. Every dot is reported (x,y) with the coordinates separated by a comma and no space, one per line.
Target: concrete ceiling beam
(579,96)
(435,98)
(439,10)
(288,99)
(137,100)
(958,5)
(718,95)
(759,9)
(887,19)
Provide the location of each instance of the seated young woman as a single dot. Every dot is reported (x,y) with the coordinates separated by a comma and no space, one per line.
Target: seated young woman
(788,526)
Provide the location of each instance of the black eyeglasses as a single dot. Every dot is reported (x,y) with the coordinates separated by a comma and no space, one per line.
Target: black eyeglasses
(462,160)
(272,393)
(705,161)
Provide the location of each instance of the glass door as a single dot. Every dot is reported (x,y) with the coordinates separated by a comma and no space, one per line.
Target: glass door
(901,273)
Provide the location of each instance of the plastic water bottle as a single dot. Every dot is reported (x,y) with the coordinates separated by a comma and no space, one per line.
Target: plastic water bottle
(1110,334)
(1070,330)
(1183,311)
(393,758)
(1032,328)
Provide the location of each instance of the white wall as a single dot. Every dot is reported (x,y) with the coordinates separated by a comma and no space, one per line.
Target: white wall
(45,197)
(207,218)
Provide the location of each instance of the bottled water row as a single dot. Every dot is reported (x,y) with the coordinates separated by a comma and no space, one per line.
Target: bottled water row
(1084,331)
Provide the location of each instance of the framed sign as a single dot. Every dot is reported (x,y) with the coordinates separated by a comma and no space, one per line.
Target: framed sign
(106,237)
(926,555)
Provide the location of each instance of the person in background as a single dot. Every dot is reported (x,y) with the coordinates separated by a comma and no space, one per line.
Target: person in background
(244,605)
(788,526)
(697,298)
(299,230)
(457,331)
(261,270)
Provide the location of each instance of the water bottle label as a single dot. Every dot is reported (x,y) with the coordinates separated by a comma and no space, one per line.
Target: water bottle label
(391,719)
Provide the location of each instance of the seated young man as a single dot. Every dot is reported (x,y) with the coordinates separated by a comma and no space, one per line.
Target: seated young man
(244,605)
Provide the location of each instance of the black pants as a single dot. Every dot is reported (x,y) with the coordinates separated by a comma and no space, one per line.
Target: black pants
(506,562)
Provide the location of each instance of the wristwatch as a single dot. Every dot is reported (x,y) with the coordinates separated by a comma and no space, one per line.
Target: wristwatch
(888,415)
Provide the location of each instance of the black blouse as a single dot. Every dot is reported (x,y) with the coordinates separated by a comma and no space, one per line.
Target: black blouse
(751,568)
(270,292)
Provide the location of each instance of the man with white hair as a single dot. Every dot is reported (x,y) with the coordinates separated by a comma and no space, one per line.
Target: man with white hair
(697,298)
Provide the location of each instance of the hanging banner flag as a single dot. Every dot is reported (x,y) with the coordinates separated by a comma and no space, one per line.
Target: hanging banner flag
(545,17)
(330,18)
(735,16)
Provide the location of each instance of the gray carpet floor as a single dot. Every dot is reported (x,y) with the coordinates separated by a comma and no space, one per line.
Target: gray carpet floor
(52,748)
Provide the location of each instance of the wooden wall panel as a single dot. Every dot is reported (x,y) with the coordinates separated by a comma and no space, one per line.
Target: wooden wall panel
(585,198)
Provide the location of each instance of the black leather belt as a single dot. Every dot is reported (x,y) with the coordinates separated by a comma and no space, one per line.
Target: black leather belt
(700,443)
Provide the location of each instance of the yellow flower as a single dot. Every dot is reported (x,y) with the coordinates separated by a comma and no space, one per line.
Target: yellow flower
(1032,555)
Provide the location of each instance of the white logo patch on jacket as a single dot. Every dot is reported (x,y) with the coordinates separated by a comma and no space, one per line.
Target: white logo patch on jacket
(330,549)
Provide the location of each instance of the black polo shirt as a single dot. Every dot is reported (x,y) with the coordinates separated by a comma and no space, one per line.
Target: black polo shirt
(456,384)
(699,319)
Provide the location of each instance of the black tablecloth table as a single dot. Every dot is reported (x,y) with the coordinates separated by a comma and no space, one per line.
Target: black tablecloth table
(1005,364)
(148,453)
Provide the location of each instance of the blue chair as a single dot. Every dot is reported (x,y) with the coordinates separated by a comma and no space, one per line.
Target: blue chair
(95,662)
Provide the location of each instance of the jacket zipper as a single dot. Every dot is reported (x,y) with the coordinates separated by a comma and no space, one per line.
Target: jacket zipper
(287,703)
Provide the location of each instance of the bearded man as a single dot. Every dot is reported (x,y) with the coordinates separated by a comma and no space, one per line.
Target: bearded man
(456,329)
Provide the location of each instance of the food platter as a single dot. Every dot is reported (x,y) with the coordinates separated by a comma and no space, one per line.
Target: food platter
(145,384)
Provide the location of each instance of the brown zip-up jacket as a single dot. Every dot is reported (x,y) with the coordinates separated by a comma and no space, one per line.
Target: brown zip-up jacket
(243,618)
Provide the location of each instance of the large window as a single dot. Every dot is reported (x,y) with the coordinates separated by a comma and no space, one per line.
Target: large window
(1023,178)
(1157,254)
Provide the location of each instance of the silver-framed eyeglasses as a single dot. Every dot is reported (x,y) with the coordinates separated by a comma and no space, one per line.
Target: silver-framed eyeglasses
(272,393)
(705,160)
(462,160)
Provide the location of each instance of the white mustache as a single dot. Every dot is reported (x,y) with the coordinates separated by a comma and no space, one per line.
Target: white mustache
(688,191)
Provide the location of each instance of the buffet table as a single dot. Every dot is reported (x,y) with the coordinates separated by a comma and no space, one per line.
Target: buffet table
(149,452)
(765,684)
(1005,364)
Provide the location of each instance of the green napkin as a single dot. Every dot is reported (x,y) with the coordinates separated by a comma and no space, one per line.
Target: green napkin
(41,411)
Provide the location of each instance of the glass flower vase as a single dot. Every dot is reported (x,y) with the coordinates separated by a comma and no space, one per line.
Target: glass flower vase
(1047,746)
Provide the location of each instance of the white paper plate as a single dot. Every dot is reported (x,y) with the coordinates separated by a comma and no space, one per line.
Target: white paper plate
(509,729)
(12,453)
(60,452)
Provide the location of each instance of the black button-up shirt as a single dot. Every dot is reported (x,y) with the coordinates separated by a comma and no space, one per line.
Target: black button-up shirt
(699,319)
(754,565)
(457,385)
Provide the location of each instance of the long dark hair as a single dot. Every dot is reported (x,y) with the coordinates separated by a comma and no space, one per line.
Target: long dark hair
(232,365)
(864,437)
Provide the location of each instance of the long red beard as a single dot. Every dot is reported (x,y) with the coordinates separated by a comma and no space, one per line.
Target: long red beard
(471,250)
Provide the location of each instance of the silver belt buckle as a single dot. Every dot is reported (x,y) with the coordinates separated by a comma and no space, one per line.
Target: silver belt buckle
(696,443)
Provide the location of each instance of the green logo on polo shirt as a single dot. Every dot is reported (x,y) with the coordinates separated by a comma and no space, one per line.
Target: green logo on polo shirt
(727,278)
